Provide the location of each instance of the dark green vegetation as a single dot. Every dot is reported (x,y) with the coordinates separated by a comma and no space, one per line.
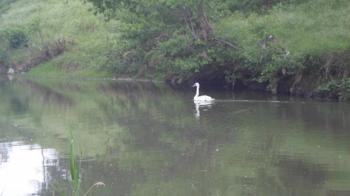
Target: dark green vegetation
(282,46)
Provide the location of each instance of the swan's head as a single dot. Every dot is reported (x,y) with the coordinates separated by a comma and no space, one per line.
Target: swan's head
(195,84)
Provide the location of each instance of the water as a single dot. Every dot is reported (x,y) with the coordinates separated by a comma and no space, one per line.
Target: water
(147,139)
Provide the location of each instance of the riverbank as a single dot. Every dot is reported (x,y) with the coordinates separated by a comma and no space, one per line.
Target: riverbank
(295,48)
(55,38)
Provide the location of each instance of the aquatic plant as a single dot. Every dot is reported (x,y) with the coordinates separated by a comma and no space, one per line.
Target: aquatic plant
(74,168)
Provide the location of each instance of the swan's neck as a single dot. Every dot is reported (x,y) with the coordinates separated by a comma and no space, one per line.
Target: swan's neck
(197,92)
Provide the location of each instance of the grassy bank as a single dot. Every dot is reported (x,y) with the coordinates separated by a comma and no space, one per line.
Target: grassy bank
(63,37)
(296,48)
(283,46)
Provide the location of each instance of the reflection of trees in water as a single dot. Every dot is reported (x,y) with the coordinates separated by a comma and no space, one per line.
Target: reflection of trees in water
(48,95)
(147,142)
(15,104)
(18,106)
(160,136)
(20,92)
(330,117)
(191,153)
(162,149)
(163,146)
(300,176)
(131,89)
(4,152)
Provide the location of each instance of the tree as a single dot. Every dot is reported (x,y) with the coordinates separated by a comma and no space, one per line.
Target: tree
(173,35)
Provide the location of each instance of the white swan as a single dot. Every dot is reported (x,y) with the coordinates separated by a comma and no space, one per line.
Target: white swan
(202,98)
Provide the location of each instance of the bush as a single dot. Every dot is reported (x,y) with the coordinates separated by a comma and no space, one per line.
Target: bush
(4,58)
(16,37)
(336,89)
(4,61)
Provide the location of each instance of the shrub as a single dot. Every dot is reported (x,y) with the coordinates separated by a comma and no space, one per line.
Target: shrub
(336,89)
(16,37)
(4,58)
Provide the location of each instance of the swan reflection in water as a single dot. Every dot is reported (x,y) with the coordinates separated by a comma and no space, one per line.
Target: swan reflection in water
(204,106)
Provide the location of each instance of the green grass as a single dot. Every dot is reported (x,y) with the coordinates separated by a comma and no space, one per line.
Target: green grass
(46,21)
(47,69)
(51,70)
(316,27)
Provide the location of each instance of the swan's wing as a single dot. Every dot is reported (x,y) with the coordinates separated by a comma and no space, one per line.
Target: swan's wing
(207,97)
(204,98)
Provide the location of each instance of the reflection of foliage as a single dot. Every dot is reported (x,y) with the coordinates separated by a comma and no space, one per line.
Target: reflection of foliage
(145,140)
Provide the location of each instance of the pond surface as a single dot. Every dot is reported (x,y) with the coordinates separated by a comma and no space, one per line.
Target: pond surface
(147,139)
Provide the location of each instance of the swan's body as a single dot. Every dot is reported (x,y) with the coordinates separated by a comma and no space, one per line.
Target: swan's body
(202,98)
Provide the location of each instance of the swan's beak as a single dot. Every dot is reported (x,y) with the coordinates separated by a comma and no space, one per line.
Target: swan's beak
(194,85)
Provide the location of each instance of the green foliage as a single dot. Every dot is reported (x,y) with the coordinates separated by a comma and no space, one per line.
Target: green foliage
(13,37)
(265,37)
(163,36)
(336,88)
(260,6)
(261,40)
(346,90)
(287,35)
(16,37)
(4,59)
(5,4)
(90,38)
(331,86)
